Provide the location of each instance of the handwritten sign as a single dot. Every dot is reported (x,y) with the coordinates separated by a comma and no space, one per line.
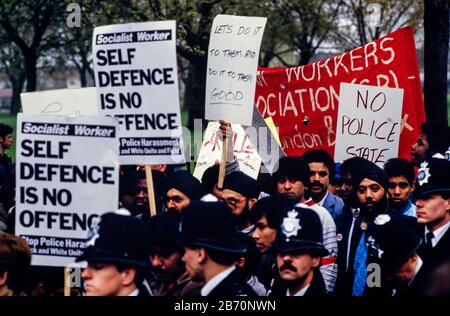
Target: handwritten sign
(368,123)
(232,66)
(68,102)
(243,151)
(67,176)
(137,83)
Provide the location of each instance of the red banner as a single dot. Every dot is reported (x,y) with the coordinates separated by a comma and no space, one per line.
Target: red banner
(303,101)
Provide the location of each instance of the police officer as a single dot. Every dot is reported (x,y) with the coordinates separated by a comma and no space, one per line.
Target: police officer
(299,247)
(433,209)
(393,246)
(116,257)
(212,249)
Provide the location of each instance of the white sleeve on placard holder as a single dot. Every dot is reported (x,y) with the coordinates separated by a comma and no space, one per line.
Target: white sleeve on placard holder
(137,82)
(233,54)
(368,123)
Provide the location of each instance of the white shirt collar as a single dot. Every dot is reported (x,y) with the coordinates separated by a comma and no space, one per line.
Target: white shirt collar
(418,266)
(208,287)
(134,293)
(323,199)
(299,293)
(438,233)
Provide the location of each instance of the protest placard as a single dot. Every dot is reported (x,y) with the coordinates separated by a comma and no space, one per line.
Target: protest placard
(368,123)
(264,142)
(67,176)
(303,100)
(69,102)
(137,83)
(243,150)
(232,66)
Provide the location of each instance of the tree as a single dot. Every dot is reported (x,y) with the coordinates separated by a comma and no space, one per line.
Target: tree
(363,21)
(11,62)
(33,27)
(436,23)
(302,25)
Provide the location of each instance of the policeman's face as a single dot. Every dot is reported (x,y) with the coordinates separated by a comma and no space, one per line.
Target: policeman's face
(263,234)
(433,210)
(319,179)
(102,279)
(419,150)
(177,200)
(399,190)
(405,273)
(291,188)
(166,266)
(6,141)
(192,259)
(370,194)
(344,188)
(296,267)
(235,201)
(141,193)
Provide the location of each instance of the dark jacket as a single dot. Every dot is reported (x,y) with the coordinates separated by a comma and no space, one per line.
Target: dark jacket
(183,286)
(440,252)
(267,270)
(347,224)
(420,283)
(316,288)
(233,285)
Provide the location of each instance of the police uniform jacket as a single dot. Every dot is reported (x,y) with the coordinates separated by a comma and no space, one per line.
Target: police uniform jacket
(233,285)
(440,252)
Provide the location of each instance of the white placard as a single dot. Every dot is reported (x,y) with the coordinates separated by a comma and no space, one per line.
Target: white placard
(243,150)
(232,66)
(137,83)
(368,123)
(68,102)
(67,176)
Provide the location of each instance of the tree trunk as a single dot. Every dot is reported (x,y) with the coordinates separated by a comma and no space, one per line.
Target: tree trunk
(305,56)
(436,24)
(17,83)
(30,62)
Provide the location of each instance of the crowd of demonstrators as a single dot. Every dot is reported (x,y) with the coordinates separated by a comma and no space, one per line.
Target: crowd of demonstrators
(312,228)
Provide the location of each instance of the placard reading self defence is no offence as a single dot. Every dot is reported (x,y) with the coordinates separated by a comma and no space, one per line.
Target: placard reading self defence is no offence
(136,76)
(67,176)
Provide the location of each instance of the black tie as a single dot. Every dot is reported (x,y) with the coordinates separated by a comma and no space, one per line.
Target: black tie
(429,237)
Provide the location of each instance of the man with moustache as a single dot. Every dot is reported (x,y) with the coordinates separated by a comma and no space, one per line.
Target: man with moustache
(240,192)
(433,209)
(212,249)
(267,215)
(292,179)
(322,168)
(183,189)
(116,257)
(370,183)
(299,250)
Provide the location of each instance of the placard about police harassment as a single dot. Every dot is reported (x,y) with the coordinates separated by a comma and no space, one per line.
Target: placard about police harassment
(368,123)
(137,83)
(232,66)
(243,150)
(67,176)
(68,102)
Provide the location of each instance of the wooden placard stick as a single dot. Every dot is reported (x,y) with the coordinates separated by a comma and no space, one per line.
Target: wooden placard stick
(150,190)
(224,128)
(66,281)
